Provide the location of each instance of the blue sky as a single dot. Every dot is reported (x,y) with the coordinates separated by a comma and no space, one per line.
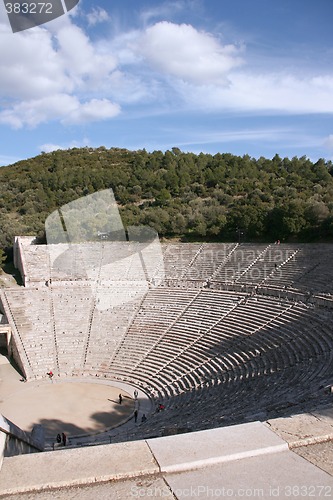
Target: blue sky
(244,76)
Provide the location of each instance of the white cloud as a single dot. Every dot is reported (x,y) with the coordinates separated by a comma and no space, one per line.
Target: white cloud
(30,66)
(68,109)
(194,68)
(81,59)
(49,147)
(183,52)
(248,92)
(289,137)
(8,160)
(246,135)
(97,16)
(328,142)
(286,93)
(56,72)
(57,75)
(165,10)
(94,110)
(35,111)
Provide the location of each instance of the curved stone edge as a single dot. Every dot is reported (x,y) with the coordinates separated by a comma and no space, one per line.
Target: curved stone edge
(153,457)
(145,403)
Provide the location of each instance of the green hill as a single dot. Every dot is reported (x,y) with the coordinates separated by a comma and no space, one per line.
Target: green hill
(184,195)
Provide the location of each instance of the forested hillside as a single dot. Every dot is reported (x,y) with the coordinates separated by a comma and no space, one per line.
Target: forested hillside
(221,197)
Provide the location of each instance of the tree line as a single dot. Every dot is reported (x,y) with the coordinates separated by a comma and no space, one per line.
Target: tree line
(189,196)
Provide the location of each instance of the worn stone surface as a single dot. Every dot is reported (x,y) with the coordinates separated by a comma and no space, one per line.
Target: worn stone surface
(320,454)
(25,473)
(141,487)
(244,460)
(197,449)
(305,428)
(278,475)
(325,415)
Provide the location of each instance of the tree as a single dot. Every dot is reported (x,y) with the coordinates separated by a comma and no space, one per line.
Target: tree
(316,213)
(204,195)
(163,197)
(2,259)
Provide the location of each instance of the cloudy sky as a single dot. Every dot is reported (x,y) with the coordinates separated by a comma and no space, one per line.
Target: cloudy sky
(243,76)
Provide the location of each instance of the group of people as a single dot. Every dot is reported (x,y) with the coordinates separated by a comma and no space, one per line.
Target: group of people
(143,418)
(62,438)
(160,407)
(136,413)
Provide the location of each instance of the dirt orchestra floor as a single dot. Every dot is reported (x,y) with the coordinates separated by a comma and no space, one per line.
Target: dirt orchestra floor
(74,407)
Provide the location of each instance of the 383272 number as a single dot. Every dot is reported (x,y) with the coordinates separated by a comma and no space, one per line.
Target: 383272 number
(28,8)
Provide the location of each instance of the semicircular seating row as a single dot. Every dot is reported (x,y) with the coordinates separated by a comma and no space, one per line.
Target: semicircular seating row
(301,266)
(207,354)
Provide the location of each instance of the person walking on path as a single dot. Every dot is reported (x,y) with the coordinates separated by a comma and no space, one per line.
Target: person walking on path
(120,399)
(64,438)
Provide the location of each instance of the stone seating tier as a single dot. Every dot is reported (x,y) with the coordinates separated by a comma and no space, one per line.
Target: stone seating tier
(216,354)
(302,266)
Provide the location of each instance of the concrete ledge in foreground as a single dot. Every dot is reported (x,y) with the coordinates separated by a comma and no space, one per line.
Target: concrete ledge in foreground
(56,469)
(200,449)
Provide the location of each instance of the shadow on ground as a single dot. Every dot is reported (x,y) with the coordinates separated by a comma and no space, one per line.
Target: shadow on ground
(100,422)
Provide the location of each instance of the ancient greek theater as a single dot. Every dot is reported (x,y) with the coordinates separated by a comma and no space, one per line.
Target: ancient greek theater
(214,337)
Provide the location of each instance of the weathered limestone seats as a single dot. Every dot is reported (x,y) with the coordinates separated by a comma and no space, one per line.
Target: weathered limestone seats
(211,355)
